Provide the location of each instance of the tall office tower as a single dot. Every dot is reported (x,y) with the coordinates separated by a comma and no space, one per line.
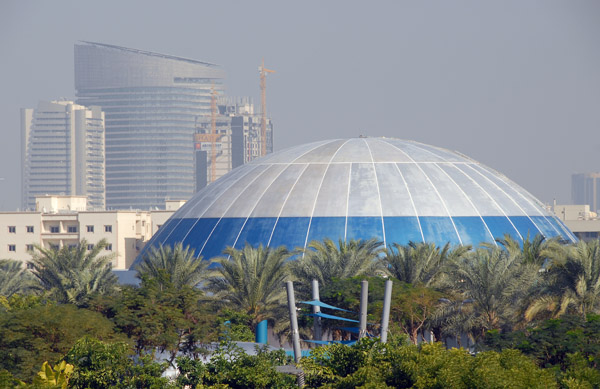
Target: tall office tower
(62,152)
(585,189)
(237,140)
(152,102)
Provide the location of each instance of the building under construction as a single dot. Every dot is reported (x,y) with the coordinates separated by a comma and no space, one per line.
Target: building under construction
(228,138)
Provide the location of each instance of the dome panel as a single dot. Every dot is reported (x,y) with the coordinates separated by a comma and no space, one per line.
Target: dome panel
(301,200)
(353,152)
(393,190)
(272,200)
(333,193)
(322,154)
(395,197)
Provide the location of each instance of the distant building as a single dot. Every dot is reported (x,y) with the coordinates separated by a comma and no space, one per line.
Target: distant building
(238,139)
(60,221)
(584,223)
(585,189)
(62,152)
(152,103)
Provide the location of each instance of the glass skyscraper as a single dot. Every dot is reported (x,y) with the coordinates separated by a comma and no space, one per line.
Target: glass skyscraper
(152,103)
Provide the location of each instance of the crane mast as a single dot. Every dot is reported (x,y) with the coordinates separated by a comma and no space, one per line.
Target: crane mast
(213,123)
(263,96)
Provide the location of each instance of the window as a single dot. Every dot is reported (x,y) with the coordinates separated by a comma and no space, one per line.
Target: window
(30,229)
(72,229)
(29,265)
(12,247)
(90,247)
(29,247)
(107,228)
(108,247)
(53,246)
(54,229)
(72,246)
(12,229)
(90,228)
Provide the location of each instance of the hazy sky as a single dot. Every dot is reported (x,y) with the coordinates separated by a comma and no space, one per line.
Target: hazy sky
(512,84)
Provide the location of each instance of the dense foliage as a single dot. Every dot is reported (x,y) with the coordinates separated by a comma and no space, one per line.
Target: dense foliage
(530,311)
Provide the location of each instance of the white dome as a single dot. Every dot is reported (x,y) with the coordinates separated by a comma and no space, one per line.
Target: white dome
(389,189)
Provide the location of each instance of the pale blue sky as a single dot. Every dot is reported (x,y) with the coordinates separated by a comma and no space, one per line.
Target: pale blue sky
(512,84)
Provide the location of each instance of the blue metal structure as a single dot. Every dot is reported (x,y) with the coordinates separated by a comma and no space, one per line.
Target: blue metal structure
(390,189)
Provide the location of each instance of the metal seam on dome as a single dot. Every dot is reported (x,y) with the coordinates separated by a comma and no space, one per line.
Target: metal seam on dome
(434,188)
(463,192)
(318,191)
(346,162)
(378,192)
(492,199)
(472,204)
(230,205)
(256,204)
(267,188)
(285,202)
(507,195)
(187,213)
(519,192)
(412,202)
(347,202)
(215,226)
(320,144)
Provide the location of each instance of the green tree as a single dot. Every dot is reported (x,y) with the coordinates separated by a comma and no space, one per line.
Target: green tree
(492,283)
(14,278)
(251,280)
(324,261)
(53,378)
(74,274)
(536,251)
(174,265)
(109,365)
(159,318)
(411,306)
(231,367)
(571,285)
(420,263)
(29,337)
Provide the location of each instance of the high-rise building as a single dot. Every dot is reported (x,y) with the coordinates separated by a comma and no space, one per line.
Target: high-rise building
(152,103)
(237,140)
(585,189)
(62,152)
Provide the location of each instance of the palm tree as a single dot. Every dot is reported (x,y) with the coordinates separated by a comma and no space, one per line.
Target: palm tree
(173,266)
(420,263)
(494,282)
(73,274)
(571,285)
(536,251)
(14,278)
(251,279)
(323,261)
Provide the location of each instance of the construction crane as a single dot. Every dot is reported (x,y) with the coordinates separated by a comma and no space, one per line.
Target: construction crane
(212,136)
(263,95)
(213,132)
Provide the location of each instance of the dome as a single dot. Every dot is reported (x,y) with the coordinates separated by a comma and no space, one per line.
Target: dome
(393,190)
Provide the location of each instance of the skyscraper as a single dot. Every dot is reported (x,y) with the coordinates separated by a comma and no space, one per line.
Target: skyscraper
(237,140)
(585,189)
(62,151)
(152,103)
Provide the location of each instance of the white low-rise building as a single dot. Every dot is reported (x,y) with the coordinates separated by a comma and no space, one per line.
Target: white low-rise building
(64,220)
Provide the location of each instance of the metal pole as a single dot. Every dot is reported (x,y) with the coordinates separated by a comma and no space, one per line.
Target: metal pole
(364,298)
(385,316)
(293,321)
(316,309)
